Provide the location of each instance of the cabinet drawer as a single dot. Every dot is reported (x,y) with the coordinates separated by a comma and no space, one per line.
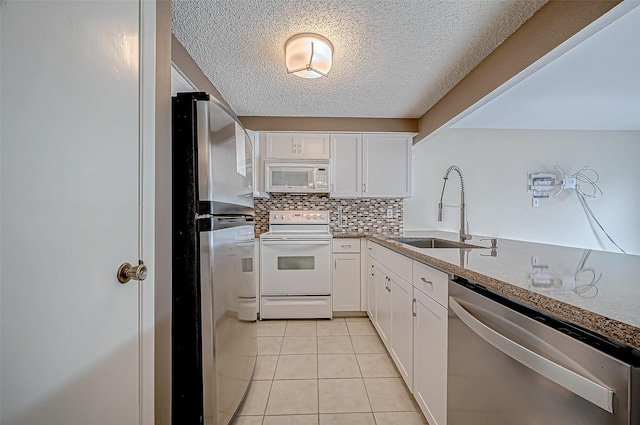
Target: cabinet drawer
(371,248)
(397,263)
(431,282)
(346,245)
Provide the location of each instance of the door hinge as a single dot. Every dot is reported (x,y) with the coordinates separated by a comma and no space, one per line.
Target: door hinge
(413,307)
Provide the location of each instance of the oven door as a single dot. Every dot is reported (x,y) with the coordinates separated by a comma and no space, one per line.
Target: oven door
(295,267)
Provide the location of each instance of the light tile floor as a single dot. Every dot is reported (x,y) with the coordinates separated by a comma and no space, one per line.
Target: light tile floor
(325,372)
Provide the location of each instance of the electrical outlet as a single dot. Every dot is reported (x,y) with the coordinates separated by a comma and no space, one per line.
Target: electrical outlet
(389,212)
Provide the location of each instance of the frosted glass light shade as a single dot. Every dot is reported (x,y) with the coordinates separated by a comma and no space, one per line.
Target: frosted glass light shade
(308,55)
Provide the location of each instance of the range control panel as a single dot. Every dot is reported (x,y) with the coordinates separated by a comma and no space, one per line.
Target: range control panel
(298,217)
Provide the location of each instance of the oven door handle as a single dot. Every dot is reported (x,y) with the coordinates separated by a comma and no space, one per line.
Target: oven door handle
(284,241)
(591,391)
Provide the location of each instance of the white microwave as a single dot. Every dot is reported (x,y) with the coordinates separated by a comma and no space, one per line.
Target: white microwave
(297,177)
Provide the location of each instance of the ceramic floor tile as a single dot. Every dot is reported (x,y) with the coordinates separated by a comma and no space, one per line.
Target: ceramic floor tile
(361,327)
(292,397)
(265,368)
(334,327)
(377,366)
(291,420)
(340,344)
(338,366)
(348,419)
(395,418)
(300,328)
(368,344)
(268,345)
(248,420)
(343,396)
(357,319)
(389,395)
(271,327)
(256,399)
(297,366)
(299,345)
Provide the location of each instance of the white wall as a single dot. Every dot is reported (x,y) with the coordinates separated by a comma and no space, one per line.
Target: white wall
(495,164)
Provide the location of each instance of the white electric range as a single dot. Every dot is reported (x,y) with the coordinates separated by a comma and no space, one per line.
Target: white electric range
(295,266)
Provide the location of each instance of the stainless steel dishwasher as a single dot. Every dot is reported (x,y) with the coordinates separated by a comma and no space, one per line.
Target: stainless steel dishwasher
(510,364)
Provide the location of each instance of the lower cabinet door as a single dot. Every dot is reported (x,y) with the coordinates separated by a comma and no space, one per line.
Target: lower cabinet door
(371,290)
(346,282)
(383,305)
(430,354)
(402,327)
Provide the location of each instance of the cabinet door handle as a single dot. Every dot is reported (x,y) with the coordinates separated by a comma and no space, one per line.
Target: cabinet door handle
(372,270)
(364,187)
(335,264)
(299,148)
(295,148)
(426,281)
(413,307)
(346,246)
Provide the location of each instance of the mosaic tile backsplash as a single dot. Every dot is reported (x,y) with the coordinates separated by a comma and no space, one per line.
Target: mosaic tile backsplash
(367,216)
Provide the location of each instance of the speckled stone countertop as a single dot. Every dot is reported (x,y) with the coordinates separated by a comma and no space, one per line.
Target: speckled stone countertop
(597,290)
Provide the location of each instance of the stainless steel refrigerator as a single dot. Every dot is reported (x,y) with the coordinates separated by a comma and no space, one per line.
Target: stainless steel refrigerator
(214,336)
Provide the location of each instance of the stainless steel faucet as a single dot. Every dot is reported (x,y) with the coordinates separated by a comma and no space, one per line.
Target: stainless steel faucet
(464,236)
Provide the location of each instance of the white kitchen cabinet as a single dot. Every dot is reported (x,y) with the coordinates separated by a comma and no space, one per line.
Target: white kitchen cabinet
(402,327)
(386,166)
(430,354)
(346,274)
(411,319)
(383,304)
(371,289)
(296,146)
(313,146)
(346,166)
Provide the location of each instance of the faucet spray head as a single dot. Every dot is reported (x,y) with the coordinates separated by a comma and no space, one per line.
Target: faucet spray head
(439,211)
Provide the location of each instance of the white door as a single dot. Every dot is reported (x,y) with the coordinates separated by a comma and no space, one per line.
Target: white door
(290,267)
(346,282)
(281,146)
(402,327)
(77,345)
(313,146)
(386,166)
(383,305)
(430,354)
(371,289)
(346,165)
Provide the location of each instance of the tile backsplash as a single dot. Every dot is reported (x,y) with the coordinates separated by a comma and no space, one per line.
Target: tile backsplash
(367,216)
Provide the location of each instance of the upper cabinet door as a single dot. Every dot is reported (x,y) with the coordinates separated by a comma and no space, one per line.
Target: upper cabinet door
(297,146)
(386,166)
(281,146)
(346,165)
(313,146)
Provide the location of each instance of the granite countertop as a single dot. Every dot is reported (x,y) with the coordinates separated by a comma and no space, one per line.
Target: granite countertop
(597,290)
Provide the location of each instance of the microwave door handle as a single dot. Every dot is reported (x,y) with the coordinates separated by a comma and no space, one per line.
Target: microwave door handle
(591,391)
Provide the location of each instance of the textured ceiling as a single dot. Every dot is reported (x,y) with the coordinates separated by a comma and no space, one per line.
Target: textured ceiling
(392,59)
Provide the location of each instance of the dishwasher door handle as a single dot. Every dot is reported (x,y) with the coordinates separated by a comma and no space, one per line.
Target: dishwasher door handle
(591,391)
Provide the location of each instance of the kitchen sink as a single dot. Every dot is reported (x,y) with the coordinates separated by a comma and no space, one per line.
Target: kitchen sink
(435,243)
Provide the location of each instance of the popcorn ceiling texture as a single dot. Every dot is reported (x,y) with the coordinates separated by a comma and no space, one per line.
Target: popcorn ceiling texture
(368,216)
(392,58)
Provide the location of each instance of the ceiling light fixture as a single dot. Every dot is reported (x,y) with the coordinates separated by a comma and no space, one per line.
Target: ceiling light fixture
(308,55)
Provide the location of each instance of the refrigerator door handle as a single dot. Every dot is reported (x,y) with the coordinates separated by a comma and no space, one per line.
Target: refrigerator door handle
(591,391)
